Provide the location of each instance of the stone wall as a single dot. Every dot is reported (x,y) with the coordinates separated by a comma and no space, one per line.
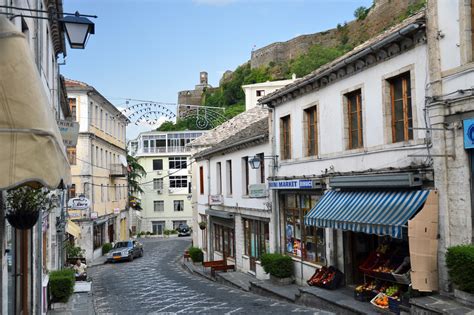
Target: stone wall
(381,16)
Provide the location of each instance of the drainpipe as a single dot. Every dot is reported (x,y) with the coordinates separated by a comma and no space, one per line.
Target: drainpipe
(274,171)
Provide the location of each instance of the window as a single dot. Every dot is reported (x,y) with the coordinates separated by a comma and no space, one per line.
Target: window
(229,177)
(256,238)
(158,227)
(97,157)
(300,240)
(96,116)
(177,162)
(158,183)
(285,138)
(245,176)
(106,123)
(176,224)
(262,168)
(178,181)
(260,92)
(311,125)
(178,205)
(72,191)
(354,110)
(71,155)
(102,193)
(224,240)
(72,107)
(157,164)
(401,112)
(98,235)
(158,206)
(201,180)
(219,178)
(101,119)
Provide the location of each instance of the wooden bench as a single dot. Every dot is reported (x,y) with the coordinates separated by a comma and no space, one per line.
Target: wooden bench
(186,255)
(218,265)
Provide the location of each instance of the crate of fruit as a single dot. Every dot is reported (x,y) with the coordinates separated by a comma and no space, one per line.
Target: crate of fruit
(380,301)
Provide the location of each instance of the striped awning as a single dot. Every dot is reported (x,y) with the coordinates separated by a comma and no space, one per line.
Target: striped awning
(372,212)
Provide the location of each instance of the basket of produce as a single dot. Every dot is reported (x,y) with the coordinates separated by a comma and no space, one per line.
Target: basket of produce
(380,301)
(318,276)
(364,292)
(373,262)
(332,280)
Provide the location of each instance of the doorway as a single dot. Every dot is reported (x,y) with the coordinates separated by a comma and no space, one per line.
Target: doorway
(158,227)
(357,247)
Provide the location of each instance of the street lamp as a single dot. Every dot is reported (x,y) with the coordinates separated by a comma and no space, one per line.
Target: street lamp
(256,160)
(77,26)
(78,29)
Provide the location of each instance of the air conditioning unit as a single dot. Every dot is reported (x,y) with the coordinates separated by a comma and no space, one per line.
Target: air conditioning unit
(159,172)
(159,191)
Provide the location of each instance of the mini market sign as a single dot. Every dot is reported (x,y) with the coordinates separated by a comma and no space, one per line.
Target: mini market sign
(291,184)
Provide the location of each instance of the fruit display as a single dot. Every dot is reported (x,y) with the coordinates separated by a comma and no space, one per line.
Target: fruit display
(324,277)
(381,300)
(392,291)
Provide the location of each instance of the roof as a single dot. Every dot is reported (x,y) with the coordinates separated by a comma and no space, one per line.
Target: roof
(254,133)
(230,127)
(365,48)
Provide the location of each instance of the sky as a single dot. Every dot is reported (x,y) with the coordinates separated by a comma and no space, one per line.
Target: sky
(151,49)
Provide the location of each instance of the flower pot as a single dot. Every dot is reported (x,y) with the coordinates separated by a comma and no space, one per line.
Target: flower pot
(281,281)
(22,220)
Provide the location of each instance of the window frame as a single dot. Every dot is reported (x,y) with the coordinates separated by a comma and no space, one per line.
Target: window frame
(201,180)
(359,119)
(178,204)
(157,167)
(285,137)
(407,106)
(158,203)
(312,140)
(177,163)
(175,179)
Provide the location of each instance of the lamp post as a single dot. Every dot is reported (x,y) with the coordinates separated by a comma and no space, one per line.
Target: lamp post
(77,26)
(255,161)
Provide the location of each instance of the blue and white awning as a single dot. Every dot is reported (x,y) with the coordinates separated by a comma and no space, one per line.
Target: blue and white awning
(372,212)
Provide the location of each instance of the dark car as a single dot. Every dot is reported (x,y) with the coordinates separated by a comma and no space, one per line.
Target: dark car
(184,230)
(125,250)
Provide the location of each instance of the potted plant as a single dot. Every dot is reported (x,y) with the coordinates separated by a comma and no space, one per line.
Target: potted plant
(460,263)
(24,205)
(202,225)
(280,268)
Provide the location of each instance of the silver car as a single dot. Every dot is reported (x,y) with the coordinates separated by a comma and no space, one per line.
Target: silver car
(125,250)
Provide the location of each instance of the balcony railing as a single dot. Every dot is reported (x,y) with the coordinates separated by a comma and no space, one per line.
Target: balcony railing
(118,170)
(163,150)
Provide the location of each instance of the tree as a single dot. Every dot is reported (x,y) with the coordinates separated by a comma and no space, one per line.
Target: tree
(135,173)
(361,13)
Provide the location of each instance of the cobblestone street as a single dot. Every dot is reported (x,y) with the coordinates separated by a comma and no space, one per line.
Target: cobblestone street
(157,283)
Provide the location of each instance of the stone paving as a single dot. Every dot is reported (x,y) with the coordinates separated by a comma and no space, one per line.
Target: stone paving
(157,284)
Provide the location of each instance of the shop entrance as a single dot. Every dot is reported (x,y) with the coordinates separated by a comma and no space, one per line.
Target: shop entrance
(357,247)
(111,232)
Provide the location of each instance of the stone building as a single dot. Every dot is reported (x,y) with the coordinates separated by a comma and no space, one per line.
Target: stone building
(193,97)
(99,169)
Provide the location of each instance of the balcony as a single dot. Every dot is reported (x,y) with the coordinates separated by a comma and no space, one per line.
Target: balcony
(163,150)
(118,170)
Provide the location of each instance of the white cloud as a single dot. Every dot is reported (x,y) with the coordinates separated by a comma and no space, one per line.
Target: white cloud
(213,2)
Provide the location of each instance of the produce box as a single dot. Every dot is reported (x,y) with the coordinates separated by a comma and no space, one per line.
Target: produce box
(380,301)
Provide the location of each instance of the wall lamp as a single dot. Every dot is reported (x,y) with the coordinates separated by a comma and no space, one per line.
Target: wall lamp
(256,160)
(77,26)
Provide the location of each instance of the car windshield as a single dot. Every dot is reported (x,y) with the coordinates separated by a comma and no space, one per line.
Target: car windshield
(184,226)
(122,244)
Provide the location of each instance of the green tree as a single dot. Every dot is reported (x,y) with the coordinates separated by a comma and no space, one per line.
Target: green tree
(136,172)
(361,13)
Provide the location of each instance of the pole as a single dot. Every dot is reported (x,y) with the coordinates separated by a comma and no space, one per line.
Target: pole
(39,263)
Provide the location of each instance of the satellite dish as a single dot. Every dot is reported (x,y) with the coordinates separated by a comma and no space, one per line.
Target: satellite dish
(123,160)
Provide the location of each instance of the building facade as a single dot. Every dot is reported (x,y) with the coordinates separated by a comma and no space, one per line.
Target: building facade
(99,169)
(27,256)
(166,198)
(343,134)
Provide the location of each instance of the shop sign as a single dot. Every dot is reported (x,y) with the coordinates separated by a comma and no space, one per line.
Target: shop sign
(94,215)
(468,133)
(116,210)
(74,214)
(291,184)
(69,132)
(79,203)
(258,191)
(216,199)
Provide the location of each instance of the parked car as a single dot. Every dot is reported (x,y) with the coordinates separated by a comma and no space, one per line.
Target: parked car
(125,250)
(184,230)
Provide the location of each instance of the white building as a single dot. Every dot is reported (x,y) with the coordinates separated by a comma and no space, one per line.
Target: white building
(350,128)
(99,169)
(253,92)
(166,201)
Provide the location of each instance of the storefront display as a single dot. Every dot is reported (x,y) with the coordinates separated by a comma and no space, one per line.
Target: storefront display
(326,277)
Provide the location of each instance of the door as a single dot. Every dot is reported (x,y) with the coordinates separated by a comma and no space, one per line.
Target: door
(158,227)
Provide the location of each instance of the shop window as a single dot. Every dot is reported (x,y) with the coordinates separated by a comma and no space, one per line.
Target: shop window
(285,138)
(71,155)
(157,164)
(224,241)
(256,238)
(229,177)
(178,205)
(201,180)
(158,206)
(311,132)
(306,242)
(354,126)
(178,181)
(401,108)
